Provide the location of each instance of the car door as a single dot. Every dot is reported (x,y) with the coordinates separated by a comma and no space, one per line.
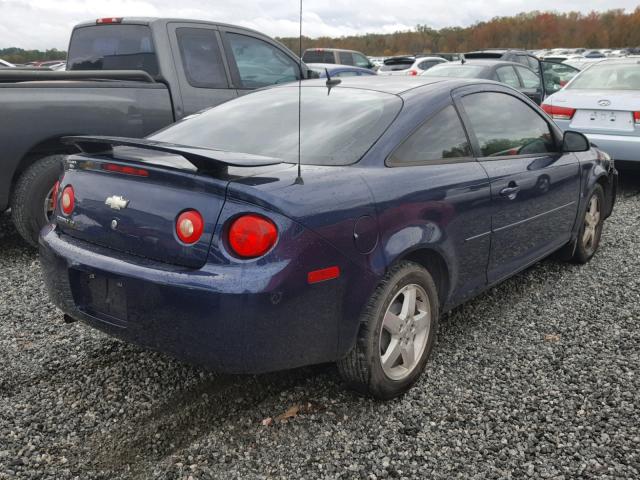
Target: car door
(446,196)
(534,187)
(257,62)
(362,61)
(531,84)
(345,58)
(202,71)
(555,76)
(508,76)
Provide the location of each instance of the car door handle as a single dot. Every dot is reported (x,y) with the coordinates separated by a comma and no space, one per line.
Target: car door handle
(511,191)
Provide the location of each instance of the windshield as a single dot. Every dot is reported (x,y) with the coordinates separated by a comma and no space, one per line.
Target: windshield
(113,47)
(458,71)
(625,76)
(338,127)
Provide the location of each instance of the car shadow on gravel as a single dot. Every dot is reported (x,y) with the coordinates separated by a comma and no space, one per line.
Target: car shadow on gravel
(212,404)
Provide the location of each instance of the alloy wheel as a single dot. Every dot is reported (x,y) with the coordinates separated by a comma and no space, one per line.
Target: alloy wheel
(591,224)
(405,331)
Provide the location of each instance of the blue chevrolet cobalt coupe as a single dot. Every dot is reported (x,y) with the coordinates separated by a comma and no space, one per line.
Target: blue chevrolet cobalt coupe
(414,195)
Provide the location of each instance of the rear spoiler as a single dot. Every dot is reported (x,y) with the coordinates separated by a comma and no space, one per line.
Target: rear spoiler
(204,159)
(11,75)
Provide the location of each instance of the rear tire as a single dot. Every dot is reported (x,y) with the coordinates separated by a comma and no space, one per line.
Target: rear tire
(591,229)
(395,339)
(29,203)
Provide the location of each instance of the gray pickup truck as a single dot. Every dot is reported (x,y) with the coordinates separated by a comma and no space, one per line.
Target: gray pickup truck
(125,77)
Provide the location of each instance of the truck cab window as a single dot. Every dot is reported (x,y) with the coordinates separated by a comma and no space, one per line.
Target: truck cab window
(113,47)
(261,64)
(201,58)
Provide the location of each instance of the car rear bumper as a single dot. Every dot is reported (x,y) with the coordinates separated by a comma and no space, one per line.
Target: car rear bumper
(623,148)
(235,320)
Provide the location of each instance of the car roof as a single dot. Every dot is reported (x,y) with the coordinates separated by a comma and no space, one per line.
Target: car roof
(395,85)
(322,49)
(484,62)
(429,57)
(336,66)
(627,60)
(499,50)
(162,20)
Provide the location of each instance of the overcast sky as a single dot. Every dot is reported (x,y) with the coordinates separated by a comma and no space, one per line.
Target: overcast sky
(47,23)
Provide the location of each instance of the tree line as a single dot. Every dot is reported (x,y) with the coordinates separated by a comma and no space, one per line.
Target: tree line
(532,30)
(18,55)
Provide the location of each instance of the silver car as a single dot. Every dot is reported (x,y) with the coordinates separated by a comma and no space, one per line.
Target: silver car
(603,102)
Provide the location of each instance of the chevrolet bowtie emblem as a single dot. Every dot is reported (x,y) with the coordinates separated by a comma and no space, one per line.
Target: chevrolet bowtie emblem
(116,202)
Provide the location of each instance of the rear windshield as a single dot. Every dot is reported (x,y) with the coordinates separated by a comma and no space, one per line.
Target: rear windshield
(318,56)
(394,65)
(608,77)
(458,71)
(113,47)
(338,127)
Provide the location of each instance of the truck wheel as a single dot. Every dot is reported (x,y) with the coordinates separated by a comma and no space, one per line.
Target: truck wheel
(591,229)
(31,202)
(397,332)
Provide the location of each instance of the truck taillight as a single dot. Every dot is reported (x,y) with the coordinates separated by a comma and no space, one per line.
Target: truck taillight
(559,113)
(189,226)
(636,117)
(251,236)
(108,20)
(67,201)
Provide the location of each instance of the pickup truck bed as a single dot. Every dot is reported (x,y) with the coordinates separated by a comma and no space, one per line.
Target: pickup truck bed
(49,110)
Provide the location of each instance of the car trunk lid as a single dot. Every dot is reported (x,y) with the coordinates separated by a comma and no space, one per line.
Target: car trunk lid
(128,199)
(601,110)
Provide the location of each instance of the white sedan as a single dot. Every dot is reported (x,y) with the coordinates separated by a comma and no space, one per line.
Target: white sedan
(603,102)
(408,65)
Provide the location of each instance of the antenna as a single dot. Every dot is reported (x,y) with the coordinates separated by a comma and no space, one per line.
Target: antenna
(299,180)
(331,82)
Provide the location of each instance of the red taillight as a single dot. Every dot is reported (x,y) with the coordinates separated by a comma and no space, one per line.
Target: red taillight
(127,170)
(252,236)
(67,201)
(323,275)
(413,73)
(636,117)
(108,20)
(559,113)
(189,226)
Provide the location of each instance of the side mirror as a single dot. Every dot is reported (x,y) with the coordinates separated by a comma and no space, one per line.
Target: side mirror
(575,142)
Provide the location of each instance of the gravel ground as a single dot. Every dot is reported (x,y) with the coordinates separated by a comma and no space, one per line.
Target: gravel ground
(537,378)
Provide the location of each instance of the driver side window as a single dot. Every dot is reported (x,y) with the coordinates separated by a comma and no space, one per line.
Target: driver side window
(361,61)
(259,63)
(506,126)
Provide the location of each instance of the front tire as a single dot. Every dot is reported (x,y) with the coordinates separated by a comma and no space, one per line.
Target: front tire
(396,336)
(591,229)
(31,203)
